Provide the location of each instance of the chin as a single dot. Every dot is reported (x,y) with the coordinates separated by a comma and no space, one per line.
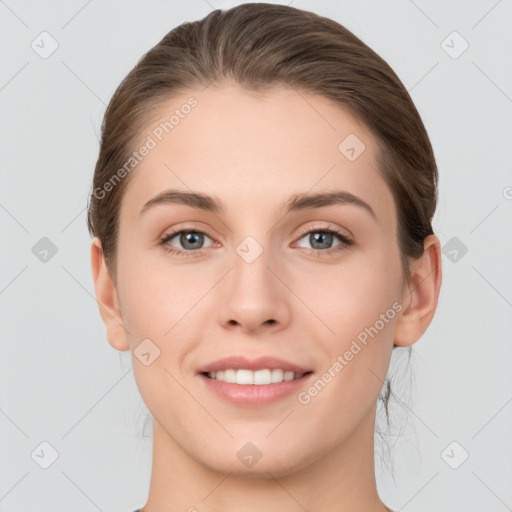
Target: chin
(246,460)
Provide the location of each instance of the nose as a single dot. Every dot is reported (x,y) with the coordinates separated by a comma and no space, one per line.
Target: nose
(254,297)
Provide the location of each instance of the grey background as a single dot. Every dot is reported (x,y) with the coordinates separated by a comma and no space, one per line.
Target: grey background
(63,384)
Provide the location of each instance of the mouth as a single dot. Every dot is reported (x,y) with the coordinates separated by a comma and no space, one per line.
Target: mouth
(246,377)
(254,382)
(254,389)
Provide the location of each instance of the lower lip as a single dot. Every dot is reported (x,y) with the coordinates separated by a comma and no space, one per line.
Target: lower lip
(255,395)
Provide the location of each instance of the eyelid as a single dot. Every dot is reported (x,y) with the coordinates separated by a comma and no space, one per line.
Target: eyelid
(325,226)
(304,230)
(184,227)
(171,233)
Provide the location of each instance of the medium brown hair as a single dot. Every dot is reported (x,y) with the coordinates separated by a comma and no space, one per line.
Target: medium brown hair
(260,46)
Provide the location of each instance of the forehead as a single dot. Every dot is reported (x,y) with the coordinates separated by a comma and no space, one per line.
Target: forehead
(252,147)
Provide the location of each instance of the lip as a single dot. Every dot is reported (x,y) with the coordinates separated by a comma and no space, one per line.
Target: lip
(254,396)
(260,363)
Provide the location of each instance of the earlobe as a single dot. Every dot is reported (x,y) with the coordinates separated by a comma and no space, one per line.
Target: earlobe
(108,302)
(420,298)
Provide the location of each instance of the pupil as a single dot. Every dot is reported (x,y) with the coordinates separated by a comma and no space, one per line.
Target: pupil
(315,237)
(185,239)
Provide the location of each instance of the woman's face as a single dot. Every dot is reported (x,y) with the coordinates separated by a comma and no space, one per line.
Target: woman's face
(262,277)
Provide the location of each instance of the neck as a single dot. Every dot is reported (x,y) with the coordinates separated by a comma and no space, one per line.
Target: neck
(341,480)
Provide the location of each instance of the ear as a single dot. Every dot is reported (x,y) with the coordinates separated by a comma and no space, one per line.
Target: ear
(420,294)
(108,302)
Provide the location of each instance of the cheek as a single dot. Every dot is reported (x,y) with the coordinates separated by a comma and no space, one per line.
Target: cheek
(154,295)
(157,305)
(354,295)
(162,303)
(362,312)
(146,310)
(371,307)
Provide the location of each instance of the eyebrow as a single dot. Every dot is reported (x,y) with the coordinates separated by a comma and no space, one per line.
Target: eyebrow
(295,203)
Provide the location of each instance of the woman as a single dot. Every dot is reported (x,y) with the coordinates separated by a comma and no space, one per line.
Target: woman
(261,212)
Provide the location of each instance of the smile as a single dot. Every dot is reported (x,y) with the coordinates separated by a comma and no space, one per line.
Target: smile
(258,377)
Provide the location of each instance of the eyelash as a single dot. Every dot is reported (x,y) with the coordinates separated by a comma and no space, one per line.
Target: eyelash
(346,242)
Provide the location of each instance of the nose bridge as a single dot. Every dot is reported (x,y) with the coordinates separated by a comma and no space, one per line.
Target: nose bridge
(253,251)
(254,295)
(251,275)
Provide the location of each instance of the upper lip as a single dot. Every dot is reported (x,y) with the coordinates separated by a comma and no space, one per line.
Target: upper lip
(240,362)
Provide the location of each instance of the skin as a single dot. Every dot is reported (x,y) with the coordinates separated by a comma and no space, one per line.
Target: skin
(252,151)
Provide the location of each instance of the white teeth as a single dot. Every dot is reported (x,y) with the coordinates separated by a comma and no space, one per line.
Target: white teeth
(262,377)
(243,377)
(230,375)
(258,377)
(277,375)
